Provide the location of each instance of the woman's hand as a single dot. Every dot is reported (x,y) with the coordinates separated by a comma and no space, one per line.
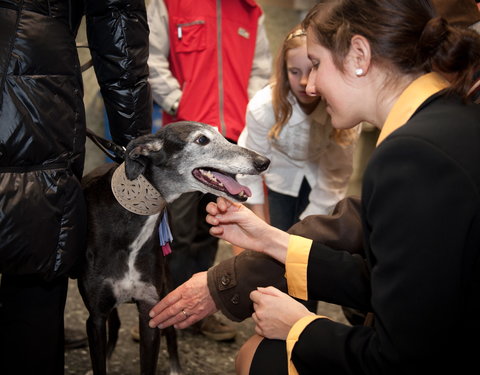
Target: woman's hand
(259,210)
(275,312)
(186,305)
(238,225)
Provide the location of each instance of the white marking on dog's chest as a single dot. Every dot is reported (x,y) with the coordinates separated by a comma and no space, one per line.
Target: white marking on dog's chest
(130,287)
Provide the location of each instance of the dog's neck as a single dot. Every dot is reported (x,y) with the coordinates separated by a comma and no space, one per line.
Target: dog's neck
(138,196)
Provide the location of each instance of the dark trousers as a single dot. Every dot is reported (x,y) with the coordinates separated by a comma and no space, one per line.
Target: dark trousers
(285,210)
(31,325)
(193,248)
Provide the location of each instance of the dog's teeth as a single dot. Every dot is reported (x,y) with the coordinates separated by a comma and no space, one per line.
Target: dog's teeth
(210,175)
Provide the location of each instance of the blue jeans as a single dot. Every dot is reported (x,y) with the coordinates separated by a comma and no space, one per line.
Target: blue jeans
(285,210)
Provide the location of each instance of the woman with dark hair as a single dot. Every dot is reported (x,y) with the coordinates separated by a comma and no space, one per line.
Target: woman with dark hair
(419,272)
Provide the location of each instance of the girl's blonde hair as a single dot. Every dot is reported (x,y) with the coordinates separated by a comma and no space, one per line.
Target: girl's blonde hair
(282,107)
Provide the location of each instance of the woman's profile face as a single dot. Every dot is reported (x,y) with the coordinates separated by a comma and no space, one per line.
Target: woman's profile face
(332,84)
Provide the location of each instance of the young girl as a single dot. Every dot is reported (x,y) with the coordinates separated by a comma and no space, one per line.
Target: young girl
(311,162)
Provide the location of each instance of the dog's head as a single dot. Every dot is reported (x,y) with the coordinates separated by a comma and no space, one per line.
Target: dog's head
(190,156)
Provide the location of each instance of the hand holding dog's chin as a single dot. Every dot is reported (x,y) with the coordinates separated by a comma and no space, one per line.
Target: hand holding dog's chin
(238,225)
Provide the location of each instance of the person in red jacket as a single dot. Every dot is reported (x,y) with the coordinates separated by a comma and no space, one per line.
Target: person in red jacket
(207,58)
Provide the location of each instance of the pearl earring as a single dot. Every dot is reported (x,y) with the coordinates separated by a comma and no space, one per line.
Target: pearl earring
(359,72)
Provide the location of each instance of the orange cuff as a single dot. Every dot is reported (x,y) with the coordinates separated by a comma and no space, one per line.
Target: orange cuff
(296,266)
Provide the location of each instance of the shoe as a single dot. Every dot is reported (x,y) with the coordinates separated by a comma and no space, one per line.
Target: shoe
(135,334)
(215,329)
(75,339)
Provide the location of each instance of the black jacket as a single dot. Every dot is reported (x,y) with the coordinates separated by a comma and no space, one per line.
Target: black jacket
(421,223)
(419,267)
(42,119)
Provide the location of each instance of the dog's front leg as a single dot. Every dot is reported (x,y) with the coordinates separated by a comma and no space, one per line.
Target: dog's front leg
(172,347)
(97,340)
(149,341)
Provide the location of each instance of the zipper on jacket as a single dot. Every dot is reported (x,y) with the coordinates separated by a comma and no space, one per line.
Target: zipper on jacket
(180,25)
(220,69)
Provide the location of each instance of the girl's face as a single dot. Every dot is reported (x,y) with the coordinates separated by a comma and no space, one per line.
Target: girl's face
(333,85)
(298,70)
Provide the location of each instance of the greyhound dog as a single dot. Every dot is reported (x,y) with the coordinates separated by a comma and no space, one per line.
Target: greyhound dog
(124,261)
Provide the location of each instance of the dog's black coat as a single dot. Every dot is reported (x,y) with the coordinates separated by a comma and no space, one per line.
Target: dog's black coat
(124,262)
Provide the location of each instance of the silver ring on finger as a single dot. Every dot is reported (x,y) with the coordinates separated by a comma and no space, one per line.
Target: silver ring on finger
(184,313)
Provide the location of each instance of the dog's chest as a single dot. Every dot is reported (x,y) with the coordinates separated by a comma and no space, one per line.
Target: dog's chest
(130,287)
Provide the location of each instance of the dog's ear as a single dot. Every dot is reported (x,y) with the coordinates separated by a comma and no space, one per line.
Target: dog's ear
(140,153)
(135,164)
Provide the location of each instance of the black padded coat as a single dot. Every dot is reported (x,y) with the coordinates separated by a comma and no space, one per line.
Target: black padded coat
(42,119)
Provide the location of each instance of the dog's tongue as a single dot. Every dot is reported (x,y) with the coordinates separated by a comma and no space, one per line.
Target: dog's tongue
(232,185)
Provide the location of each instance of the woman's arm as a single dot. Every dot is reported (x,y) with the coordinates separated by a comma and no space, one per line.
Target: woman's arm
(238,225)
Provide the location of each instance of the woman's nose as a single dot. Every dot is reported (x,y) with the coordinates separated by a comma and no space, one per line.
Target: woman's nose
(310,89)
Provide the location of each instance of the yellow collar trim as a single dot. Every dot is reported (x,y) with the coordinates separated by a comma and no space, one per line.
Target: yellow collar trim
(410,100)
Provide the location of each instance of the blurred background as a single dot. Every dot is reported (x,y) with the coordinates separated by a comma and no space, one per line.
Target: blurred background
(280,17)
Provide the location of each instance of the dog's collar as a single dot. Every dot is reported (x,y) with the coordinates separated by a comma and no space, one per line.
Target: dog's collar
(138,195)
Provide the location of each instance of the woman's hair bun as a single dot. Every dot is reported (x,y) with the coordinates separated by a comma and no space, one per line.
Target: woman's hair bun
(434,34)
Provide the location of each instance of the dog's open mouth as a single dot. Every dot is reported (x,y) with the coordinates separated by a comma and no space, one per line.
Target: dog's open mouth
(222,181)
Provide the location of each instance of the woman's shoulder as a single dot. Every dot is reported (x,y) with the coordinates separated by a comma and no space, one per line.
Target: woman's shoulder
(442,115)
(444,127)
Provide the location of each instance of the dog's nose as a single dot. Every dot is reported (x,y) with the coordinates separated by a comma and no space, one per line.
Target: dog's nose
(261,163)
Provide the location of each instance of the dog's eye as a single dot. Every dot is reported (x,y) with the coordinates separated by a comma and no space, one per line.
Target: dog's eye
(202,140)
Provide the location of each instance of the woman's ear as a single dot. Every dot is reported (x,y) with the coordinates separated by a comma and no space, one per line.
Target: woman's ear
(359,56)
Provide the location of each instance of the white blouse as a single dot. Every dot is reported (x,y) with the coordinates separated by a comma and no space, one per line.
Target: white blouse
(326,165)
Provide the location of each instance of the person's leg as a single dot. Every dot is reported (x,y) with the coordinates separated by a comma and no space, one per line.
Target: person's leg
(302,200)
(193,248)
(184,225)
(245,355)
(282,210)
(259,355)
(204,246)
(31,325)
